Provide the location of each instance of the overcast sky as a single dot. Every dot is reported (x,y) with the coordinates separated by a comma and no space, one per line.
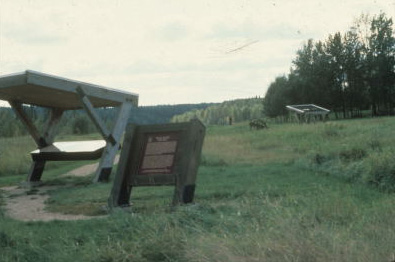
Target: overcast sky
(170,52)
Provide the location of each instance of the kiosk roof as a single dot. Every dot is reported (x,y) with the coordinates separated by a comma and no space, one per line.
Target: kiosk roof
(308,109)
(35,88)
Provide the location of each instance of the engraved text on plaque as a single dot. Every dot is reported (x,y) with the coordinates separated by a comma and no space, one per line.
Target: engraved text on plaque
(159,153)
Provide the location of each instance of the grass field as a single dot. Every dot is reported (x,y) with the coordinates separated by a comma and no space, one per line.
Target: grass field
(318,192)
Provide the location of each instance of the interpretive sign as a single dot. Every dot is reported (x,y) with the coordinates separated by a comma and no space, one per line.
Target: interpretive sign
(157,155)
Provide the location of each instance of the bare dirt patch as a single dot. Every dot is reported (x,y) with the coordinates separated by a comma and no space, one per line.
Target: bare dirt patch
(28,204)
(87,169)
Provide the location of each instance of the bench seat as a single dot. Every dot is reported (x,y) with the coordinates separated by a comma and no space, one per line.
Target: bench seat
(70,151)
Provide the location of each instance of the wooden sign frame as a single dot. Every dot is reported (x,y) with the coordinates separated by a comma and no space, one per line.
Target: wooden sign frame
(159,155)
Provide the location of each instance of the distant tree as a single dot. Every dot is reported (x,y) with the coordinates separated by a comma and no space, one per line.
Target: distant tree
(82,125)
(356,90)
(239,110)
(380,61)
(336,66)
(277,97)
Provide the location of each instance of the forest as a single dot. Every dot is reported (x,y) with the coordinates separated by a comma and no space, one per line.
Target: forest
(226,113)
(347,73)
(77,122)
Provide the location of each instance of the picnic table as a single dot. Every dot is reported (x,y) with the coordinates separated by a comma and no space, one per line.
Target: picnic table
(59,95)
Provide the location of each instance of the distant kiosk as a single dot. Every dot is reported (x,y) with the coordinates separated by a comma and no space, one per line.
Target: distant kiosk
(309,112)
(58,95)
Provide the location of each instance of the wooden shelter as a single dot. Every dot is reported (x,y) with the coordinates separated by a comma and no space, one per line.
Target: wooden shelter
(58,95)
(308,112)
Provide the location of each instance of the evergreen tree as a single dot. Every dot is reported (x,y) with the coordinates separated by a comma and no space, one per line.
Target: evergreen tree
(345,73)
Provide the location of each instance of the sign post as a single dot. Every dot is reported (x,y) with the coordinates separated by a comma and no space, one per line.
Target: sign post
(157,155)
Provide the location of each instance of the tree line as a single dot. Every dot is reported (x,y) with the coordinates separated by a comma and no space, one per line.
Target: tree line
(346,73)
(225,113)
(77,122)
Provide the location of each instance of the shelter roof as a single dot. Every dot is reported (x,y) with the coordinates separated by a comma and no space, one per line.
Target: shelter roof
(35,88)
(308,109)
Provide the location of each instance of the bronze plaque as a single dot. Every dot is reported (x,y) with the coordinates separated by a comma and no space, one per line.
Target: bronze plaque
(159,153)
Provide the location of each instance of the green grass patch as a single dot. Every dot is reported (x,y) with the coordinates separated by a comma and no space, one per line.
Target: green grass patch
(319,192)
(272,212)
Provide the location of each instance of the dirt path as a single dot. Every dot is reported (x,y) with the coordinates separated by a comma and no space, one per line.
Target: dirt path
(21,204)
(87,169)
(27,204)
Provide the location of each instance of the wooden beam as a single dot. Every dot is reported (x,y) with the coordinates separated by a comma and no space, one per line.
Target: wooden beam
(52,125)
(37,167)
(104,170)
(35,88)
(67,85)
(31,128)
(94,117)
(120,192)
(36,171)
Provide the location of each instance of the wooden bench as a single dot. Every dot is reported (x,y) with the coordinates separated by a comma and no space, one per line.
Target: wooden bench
(70,151)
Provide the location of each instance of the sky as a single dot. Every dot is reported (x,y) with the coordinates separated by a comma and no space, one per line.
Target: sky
(168,51)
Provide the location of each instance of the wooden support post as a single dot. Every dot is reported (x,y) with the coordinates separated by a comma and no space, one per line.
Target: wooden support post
(104,170)
(121,189)
(31,128)
(50,131)
(36,171)
(52,125)
(37,167)
(90,110)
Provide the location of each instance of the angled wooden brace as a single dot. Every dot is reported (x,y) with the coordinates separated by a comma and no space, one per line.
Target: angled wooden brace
(44,140)
(105,167)
(90,110)
(31,128)
(113,138)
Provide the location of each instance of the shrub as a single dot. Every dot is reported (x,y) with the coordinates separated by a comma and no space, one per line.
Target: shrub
(332,129)
(353,154)
(381,172)
(375,144)
(319,159)
(6,240)
(81,125)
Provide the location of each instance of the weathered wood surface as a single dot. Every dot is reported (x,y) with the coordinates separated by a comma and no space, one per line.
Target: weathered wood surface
(75,150)
(60,94)
(90,110)
(105,167)
(181,172)
(31,87)
(31,128)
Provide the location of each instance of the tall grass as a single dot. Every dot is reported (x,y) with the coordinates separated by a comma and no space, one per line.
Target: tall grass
(359,151)
(14,155)
(242,213)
